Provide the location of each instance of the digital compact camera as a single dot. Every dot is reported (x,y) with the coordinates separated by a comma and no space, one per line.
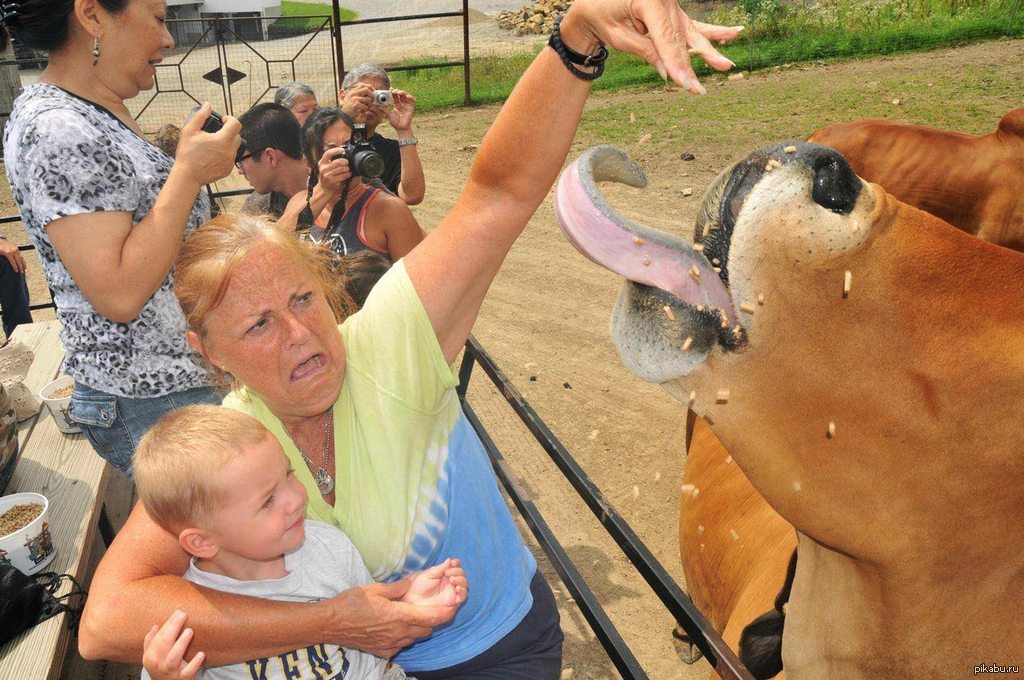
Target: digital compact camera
(363,160)
(382,98)
(213,124)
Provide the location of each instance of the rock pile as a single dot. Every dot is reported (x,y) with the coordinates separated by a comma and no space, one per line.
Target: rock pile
(535,18)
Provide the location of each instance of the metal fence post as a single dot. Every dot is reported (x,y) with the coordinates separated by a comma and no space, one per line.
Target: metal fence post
(465,50)
(338,49)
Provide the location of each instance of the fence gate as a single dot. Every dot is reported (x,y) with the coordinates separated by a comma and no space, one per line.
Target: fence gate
(234,63)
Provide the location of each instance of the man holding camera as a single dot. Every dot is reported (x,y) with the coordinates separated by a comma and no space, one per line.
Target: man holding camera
(367,97)
(272,159)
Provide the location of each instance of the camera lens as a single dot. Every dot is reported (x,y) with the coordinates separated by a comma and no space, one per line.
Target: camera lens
(367,164)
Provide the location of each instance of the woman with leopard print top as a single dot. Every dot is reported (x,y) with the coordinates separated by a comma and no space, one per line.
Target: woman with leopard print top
(107,210)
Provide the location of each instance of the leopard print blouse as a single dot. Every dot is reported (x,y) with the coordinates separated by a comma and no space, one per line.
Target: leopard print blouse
(67,156)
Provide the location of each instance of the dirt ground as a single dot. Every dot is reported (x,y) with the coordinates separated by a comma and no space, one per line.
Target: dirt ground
(545,320)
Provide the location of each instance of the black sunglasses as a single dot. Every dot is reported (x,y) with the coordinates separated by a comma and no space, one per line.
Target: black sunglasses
(242,155)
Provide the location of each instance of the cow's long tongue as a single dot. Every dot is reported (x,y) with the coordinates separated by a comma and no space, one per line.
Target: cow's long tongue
(636,252)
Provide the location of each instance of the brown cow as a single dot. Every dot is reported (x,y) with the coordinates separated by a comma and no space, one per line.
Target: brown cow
(732,581)
(872,399)
(974,183)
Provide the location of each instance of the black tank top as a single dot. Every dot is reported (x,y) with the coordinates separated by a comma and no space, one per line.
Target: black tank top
(344,230)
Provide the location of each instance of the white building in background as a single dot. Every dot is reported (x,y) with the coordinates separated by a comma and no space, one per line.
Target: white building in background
(237,16)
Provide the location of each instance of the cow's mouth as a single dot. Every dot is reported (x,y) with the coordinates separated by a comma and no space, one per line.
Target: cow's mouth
(669,276)
(834,186)
(678,303)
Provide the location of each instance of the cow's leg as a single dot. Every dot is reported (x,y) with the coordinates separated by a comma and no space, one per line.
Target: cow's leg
(686,649)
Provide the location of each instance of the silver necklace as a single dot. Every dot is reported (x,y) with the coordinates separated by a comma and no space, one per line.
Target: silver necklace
(324,480)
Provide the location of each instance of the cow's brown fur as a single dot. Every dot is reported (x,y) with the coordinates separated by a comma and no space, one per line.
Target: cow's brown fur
(974,183)
(910,518)
(908,508)
(732,582)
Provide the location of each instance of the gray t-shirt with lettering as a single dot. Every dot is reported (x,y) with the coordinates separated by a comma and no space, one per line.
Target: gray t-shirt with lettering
(324,565)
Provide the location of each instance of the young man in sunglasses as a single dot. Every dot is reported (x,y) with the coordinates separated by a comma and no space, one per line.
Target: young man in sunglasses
(272,161)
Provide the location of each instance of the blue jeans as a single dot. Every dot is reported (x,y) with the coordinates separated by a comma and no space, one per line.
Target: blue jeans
(114,425)
(13,298)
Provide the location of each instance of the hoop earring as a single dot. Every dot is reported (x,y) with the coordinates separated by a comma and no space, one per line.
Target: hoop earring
(95,50)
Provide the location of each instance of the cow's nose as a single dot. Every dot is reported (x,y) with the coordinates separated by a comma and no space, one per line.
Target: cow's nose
(836,187)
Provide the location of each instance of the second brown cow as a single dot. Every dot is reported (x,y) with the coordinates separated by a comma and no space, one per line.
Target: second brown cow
(972,182)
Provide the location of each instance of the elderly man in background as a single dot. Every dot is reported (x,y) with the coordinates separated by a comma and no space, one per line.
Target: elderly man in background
(273,163)
(403,172)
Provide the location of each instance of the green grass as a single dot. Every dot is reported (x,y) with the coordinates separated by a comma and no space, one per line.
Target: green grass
(308,10)
(776,34)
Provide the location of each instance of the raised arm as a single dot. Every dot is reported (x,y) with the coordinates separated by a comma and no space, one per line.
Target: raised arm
(117,266)
(413,185)
(138,584)
(527,144)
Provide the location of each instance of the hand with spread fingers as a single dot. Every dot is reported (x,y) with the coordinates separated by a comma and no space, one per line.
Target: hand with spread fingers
(400,115)
(658,31)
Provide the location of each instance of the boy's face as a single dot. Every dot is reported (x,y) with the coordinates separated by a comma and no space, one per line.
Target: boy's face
(264,507)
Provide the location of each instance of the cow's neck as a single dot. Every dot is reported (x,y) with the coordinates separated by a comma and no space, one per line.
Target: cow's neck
(851,619)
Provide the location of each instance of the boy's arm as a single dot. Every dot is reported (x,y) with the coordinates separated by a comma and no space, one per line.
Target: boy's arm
(138,584)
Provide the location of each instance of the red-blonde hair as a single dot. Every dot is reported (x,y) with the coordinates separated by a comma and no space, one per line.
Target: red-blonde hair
(213,253)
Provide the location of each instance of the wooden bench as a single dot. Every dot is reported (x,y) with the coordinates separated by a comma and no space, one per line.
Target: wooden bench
(65,469)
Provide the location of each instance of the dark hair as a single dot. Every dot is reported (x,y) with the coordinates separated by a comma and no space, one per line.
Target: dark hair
(43,24)
(313,140)
(360,272)
(272,126)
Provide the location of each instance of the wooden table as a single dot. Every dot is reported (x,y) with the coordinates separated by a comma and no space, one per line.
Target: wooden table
(66,470)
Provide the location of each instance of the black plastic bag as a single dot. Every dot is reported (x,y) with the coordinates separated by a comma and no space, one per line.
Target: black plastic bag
(28,600)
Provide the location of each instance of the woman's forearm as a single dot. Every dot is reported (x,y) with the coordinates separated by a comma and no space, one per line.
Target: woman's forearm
(228,628)
(514,169)
(413,185)
(138,584)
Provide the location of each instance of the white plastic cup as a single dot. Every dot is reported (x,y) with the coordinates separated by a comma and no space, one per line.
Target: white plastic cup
(30,548)
(59,406)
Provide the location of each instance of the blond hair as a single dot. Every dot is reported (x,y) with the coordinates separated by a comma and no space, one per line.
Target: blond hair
(213,253)
(178,458)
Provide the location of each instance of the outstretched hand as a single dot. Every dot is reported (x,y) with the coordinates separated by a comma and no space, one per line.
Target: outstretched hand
(658,31)
(383,623)
(444,585)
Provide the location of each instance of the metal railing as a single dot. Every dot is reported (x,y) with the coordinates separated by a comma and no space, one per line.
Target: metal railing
(722,659)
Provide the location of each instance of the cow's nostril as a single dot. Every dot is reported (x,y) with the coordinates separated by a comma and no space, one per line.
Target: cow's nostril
(836,187)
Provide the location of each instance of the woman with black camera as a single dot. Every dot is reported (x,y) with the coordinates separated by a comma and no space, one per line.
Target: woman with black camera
(349,208)
(107,210)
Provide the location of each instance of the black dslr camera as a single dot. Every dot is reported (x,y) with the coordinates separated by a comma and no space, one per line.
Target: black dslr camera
(362,159)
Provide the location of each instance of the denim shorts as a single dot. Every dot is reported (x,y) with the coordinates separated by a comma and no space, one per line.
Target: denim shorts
(114,425)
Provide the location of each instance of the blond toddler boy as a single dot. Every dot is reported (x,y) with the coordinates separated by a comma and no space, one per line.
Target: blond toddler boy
(220,481)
